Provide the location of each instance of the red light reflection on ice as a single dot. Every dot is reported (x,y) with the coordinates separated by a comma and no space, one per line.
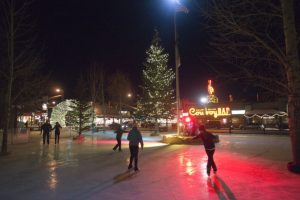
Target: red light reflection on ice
(187,164)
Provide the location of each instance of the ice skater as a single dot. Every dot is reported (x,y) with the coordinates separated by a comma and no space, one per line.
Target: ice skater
(209,145)
(46,129)
(119,133)
(57,128)
(135,138)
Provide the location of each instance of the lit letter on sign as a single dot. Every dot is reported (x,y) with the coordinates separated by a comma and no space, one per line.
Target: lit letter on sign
(210,111)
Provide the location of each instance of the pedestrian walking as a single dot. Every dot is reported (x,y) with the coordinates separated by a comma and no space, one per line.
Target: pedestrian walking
(46,129)
(135,138)
(57,128)
(209,145)
(119,132)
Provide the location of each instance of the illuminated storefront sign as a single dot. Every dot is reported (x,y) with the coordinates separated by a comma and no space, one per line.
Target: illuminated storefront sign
(225,111)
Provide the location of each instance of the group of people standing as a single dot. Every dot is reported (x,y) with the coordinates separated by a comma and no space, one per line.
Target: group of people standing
(46,128)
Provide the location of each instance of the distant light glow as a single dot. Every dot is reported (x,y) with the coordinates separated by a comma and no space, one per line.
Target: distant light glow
(238,112)
(57,90)
(187,119)
(203,99)
(175,1)
(185,114)
(44,106)
(224,120)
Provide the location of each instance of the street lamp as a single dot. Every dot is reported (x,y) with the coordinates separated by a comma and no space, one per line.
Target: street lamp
(178,7)
(204,100)
(59,93)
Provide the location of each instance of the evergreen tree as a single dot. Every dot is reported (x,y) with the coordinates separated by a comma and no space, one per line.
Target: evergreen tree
(79,115)
(157,100)
(80,109)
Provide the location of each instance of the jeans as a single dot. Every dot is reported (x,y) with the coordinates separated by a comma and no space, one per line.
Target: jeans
(57,138)
(118,144)
(134,153)
(210,162)
(45,135)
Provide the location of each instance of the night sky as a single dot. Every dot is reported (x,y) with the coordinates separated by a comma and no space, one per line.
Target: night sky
(116,34)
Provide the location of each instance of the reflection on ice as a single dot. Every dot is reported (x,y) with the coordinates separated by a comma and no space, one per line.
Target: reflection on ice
(187,164)
(52,180)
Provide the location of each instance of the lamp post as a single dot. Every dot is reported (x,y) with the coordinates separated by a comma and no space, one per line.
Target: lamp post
(178,7)
(177,64)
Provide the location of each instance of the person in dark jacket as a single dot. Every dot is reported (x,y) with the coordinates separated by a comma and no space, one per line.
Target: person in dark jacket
(119,133)
(46,129)
(209,145)
(135,138)
(57,128)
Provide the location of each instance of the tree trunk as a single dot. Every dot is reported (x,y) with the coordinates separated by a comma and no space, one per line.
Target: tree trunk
(120,110)
(156,131)
(103,98)
(10,79)
(293,76)
(80,122)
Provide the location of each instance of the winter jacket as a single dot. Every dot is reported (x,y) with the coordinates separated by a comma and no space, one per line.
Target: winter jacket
(57,128)
(46,128)
(135,137)
(208,140)
(119,133)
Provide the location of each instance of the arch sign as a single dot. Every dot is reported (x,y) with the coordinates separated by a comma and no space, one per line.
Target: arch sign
(222,111)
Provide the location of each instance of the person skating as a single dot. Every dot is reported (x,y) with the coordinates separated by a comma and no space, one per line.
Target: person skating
(119,132)
(135,138)
(46,129)
(209,145)
(57,128)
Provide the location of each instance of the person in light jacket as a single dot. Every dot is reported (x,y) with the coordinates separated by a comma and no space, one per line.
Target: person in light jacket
(135,138)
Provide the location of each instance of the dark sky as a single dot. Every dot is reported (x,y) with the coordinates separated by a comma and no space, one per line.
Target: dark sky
(116,34)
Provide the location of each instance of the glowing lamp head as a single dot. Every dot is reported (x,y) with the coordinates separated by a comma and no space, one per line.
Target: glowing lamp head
(203,100)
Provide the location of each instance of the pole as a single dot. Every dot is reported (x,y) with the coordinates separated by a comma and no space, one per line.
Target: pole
(177,64)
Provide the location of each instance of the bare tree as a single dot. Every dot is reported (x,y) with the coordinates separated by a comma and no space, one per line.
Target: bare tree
(95,79)
(118,89)
(19,58)
(258,40)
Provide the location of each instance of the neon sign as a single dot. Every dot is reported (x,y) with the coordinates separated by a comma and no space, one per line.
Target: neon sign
(210,88)
(225,111)
(211,97)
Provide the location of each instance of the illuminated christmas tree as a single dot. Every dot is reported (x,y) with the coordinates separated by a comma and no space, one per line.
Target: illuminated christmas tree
(59,112)
(157,100)
(79,115)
